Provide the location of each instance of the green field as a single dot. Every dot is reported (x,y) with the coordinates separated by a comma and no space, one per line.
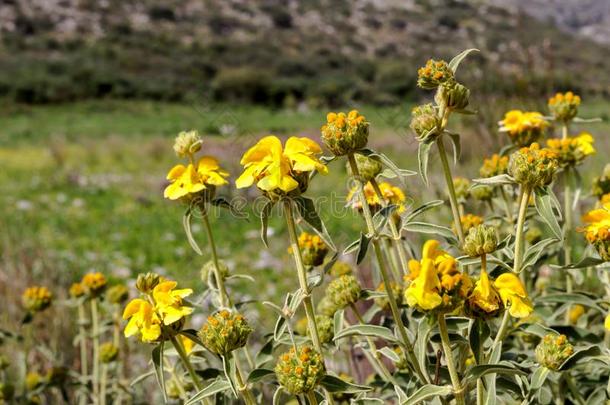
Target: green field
(82,186)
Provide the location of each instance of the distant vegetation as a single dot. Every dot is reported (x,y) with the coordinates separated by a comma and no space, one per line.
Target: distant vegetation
(264,53)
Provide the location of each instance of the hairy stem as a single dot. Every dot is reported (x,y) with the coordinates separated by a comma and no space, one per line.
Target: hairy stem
(368,218)
(452,198)
(82,332)
(222,292)
(95,332)
(523,203)
(243,388)
(455,379)
(187,364)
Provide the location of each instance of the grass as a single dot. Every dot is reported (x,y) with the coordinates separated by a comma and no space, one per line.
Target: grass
(82,188)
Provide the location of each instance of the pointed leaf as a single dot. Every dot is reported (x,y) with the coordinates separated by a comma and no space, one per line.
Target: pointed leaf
(424,227)
(421,209)
(363,247)
(423,155)
(335,384)
(265,221)
(157,359)
(258,374)
(455,62)
(428,391)
(186,223)
(544,206)
(212,389)
(477,372)
(367,330)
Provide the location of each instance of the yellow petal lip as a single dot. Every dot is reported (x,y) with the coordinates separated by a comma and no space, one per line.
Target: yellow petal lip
(133,307)
(175,172)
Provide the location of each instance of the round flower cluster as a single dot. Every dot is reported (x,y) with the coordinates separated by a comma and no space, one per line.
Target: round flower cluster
(313,249)
(597,230)
(480,240)
(118,294)
(326,306)
(462,187)
(482,193)
(391,194)
(434,282)
(36,299)
(453,95)
(553,350)
(424,122)
(76,290)
(494,166)
(488,298)
(300,372)
(564,107)
(345,133)
(224,332)
(187,143)
(368,167)
(571,151)
(344,291)
(434,74)
(340,268)
(470,221)
(383,302)
(523,127)
(532,166)
(94,283)
(108,352)
(325,327)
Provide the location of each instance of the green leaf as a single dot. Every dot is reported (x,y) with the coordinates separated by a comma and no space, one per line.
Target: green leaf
(539,377)
(265,354)
(455,62)
(363,246)
(478,334)
(192,335)
(338,322)
(157,359)
(258,374)
(390,354)
(265,221)
(335,384)
(495,180)
(457,148)
(215,387)
(426,392)
(422,208)
(583,263)
(421,341)
(277,395)
(141,378)
(532,254)
(186,223)
(477,372)
(544,206)
(367,330)
(228,364)
(387,162)
(423,155)
(222,202)
(580,355)
(568,298)
(307,211)
(579,120)
(424,227)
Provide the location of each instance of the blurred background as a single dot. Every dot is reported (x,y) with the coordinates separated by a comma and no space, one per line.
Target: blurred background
(92,93)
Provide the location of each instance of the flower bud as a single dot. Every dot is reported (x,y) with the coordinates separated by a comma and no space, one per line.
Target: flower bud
(300,372)
(383,302)
(118,294)
(424,122)
(145,283)
(313,249)
(77,290)
(327,307)
(108,352)
(33,380)
(482,193)
(325,327)
(553,350)
(36,299)
(345,134)
(94,283)
(462,187)
(564,107)
(368,166)
(533,167)
(344,291)
(224,332)
(480,240)
(434,74)
(209,268)
(453,95)
(340,268)
(187,143)
(402,363)
(572,150)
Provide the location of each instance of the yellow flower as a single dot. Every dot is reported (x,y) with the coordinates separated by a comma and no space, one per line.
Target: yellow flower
(142,319)
(470,221)
(187,343)
(36,299)
(392,195)
(523,127)
(423,292)
(564,107)
(494,166)
(94,283)
(607,322)
(272,167)
(513,295)
(572,151)
(187,180)
(484,296)
(77,290)
(575,313)
(597,231)
(168,302)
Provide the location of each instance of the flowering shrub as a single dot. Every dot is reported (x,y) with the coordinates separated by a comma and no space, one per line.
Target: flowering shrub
(469,316)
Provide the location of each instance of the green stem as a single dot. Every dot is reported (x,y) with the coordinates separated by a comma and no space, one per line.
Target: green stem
(567,226)
(573,388)
(82,332)
(376,356)
(103,382)
(311,398)
(368,218)
(222,292)
(480,387)
(95,331)
(507,206)
(523,203)
(400,249)
(501,330)
(452,197)
(302,276)
(455,379)
(187,364)
(243,388)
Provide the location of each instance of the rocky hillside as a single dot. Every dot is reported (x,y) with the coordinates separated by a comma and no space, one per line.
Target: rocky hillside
(277,52)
